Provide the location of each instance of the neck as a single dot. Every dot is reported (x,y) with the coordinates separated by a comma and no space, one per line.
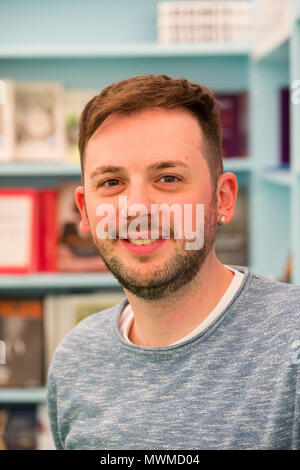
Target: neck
(163,322)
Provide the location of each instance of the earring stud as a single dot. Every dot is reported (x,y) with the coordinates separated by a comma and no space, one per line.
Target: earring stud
(222,220)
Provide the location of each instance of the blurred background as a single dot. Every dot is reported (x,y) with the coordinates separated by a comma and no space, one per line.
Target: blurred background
(54,57)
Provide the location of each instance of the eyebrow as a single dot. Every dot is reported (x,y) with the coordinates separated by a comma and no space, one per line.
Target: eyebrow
(155,166)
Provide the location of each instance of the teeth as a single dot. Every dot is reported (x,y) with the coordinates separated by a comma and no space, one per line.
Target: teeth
(146,241)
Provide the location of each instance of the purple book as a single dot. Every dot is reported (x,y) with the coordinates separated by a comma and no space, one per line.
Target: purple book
(285,125)
(234,121)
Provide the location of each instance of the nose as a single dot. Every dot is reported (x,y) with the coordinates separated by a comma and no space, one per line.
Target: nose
(138,202)
(138,199)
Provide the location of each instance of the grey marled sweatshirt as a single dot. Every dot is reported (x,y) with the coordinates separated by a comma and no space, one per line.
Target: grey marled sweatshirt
(236,385)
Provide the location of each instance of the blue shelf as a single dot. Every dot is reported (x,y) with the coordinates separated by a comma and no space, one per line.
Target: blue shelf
(277,50)
(279,177)
(57,281)
(143,49)
(238,164)
(61,168)
(58,168)
(23,395)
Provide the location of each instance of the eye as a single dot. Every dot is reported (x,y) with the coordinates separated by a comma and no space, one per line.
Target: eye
(103,183)
(170,176)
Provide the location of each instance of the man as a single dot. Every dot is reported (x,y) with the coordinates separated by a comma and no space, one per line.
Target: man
(199,355)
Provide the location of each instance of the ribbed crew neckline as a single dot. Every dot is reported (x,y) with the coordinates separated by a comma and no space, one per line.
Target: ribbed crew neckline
(185,345)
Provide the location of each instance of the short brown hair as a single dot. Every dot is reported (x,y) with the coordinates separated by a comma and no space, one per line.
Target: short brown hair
(148,91)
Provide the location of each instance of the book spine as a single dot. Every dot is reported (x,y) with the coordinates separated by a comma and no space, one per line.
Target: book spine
(48,229)
(35,239)
(285,125)
(229,118)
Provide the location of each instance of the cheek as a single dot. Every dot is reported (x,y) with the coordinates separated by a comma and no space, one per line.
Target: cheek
(101,216)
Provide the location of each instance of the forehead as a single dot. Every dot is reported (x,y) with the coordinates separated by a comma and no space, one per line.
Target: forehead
(144,136)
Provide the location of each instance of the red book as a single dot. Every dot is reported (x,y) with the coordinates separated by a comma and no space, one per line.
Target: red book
(19,240)
(48,229)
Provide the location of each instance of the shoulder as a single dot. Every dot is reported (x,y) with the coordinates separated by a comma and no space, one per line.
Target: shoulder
(273,303)
(276,291)
(85,339)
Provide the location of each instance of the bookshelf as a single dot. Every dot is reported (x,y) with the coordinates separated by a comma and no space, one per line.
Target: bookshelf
(274,190)
(130,50)
(66,169)
(23,395)
(93,54)
(279,177)
(56,282)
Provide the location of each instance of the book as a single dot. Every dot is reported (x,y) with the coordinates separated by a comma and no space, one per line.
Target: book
(19,243)
(285,125)
(39,121)
(48,230)
(233,112)
(231,244)
(7,109)
(18,427)
(39,232)
(76,251)
(205,21)
(75,101)
(62,312)
(21,326)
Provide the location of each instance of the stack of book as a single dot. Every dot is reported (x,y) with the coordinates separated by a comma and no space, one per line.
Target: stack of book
(205,21)
(32,328)
(39,120)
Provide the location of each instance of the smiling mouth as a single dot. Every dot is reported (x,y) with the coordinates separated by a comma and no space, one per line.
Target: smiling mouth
(145,240)
(142,241)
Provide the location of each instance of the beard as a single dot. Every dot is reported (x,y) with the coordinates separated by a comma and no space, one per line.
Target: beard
(169,279)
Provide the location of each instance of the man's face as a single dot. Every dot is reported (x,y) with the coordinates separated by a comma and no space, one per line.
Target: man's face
(136,143)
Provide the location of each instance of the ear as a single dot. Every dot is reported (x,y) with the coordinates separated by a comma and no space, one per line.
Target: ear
(227,191)
(79,198)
